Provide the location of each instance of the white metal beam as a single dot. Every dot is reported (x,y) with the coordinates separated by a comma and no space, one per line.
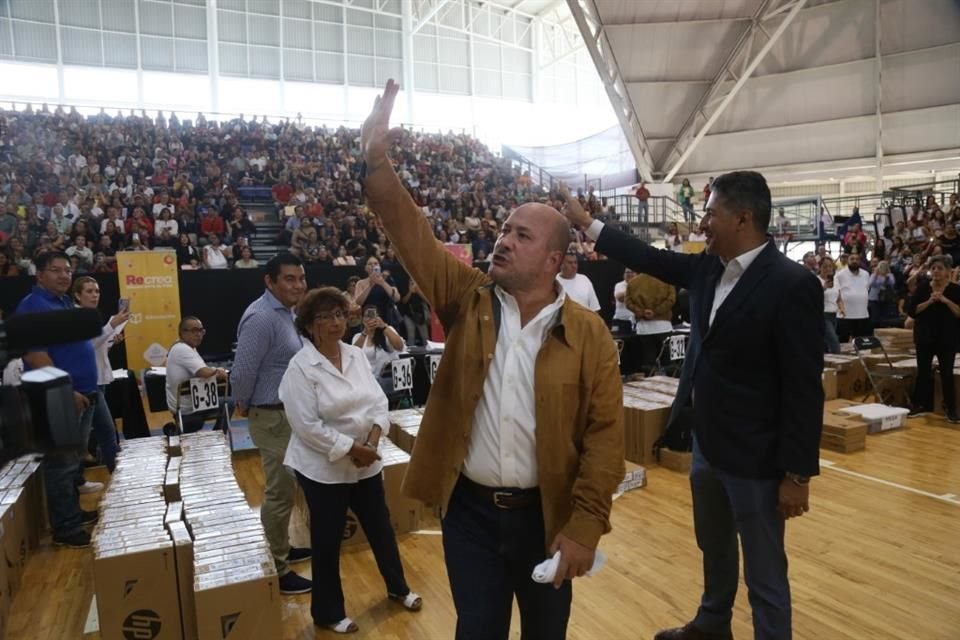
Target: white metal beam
(745,44)
(878,87)
(425,18)
(587,18)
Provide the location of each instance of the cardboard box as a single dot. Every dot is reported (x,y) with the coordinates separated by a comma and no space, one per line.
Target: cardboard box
(404,512)
(643,422)
(137,594)
(183,560)
(247,610)
(852,380)
(405,437)
(844,434)
(676,460)
(829,378)
(634,478)
(13,533)
(878,417)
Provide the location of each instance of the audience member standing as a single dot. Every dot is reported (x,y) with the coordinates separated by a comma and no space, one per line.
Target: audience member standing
(577,286)
(832,305)
(266,341)
(854,286)
(623,317)
(935,308)
(651,301)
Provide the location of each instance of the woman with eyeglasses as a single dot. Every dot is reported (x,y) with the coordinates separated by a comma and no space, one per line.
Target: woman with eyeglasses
(338,413)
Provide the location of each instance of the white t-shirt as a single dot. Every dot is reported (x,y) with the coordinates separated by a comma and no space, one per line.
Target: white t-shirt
(830,296)
(183,363)
(854,289)
(621,312)
(580,289)
(215,258)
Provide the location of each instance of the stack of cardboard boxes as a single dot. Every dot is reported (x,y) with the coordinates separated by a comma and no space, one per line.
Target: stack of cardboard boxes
(895,340)
(235,588)
(404,425)
(178,554)
(852,382)
(22,520)
(646,409)
(841,432)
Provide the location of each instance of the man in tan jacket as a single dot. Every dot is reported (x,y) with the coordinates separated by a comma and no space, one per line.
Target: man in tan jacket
(522,440)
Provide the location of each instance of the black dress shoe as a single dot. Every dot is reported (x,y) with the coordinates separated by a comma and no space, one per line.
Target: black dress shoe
(690,632)
(299,554)
(88,517)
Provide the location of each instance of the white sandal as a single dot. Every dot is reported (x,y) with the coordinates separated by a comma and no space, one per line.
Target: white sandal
(410,602)
(344,626)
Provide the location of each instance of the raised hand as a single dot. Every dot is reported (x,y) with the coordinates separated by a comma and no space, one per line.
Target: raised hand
(376,136)
(572,208)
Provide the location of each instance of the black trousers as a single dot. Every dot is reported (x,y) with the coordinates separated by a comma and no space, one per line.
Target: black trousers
(490,554)
(923,391)
(848,328)
(328,505)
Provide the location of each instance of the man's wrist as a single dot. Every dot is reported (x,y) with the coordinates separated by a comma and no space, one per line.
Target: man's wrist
(797,479)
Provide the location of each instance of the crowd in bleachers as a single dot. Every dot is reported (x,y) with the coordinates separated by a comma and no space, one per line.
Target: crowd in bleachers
(92,186)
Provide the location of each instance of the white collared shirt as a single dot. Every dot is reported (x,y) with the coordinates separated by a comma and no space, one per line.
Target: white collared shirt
(732,272)
(503,447)
(329,411)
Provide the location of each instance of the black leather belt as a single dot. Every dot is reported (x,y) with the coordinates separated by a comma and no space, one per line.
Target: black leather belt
(272,407)
(502,498)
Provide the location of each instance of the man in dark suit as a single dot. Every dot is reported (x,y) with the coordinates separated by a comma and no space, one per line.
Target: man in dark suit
(751,390)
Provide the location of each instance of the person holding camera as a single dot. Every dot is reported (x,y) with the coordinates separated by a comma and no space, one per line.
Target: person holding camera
(378,290)
(935,309)
(381,344)
(337,413)
(86,291)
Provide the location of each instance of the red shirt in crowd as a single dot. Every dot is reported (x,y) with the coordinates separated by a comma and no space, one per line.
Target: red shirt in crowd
(282,192)
(212,224)
(642,193)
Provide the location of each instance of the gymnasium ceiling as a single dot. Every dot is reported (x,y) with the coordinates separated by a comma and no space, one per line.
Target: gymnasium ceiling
(819,99)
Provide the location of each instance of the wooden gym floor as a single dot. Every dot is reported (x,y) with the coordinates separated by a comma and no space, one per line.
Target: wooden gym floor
(877,557)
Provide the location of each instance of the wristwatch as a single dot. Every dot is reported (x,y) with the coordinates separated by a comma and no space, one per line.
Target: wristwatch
(797,479)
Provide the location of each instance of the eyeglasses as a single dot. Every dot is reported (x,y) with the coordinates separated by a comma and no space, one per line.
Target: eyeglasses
(196,330)
(59,271)
(329,317)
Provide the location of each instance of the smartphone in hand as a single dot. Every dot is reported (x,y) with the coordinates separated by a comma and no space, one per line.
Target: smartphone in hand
(124,305)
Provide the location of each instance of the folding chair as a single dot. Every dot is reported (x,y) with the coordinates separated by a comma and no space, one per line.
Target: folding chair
(869,343)
(402,370)
(673,350)
(198,398)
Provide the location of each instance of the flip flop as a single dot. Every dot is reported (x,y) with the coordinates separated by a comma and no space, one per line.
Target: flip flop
(410,602)
(344,626)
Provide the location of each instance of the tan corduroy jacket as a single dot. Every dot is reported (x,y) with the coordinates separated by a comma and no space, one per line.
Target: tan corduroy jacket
(579,404)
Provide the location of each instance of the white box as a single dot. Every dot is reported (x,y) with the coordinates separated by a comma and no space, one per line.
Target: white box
(879,417)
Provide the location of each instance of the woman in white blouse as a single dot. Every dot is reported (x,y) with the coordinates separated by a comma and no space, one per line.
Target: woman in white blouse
(337,413)
(381,344)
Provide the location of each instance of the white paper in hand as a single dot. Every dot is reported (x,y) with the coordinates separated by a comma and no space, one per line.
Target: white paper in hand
(546,571)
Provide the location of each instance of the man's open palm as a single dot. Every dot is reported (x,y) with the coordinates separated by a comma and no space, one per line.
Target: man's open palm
(376,137)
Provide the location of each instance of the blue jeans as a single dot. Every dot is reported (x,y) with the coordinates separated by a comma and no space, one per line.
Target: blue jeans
(833,341)
(641,211)
(723,507)
(61,470)
(490,554)
(105,431)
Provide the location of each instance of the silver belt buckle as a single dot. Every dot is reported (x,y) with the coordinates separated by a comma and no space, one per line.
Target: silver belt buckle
(501,494)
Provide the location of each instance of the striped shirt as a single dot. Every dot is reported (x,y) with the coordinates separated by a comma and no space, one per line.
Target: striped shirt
(266,340)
